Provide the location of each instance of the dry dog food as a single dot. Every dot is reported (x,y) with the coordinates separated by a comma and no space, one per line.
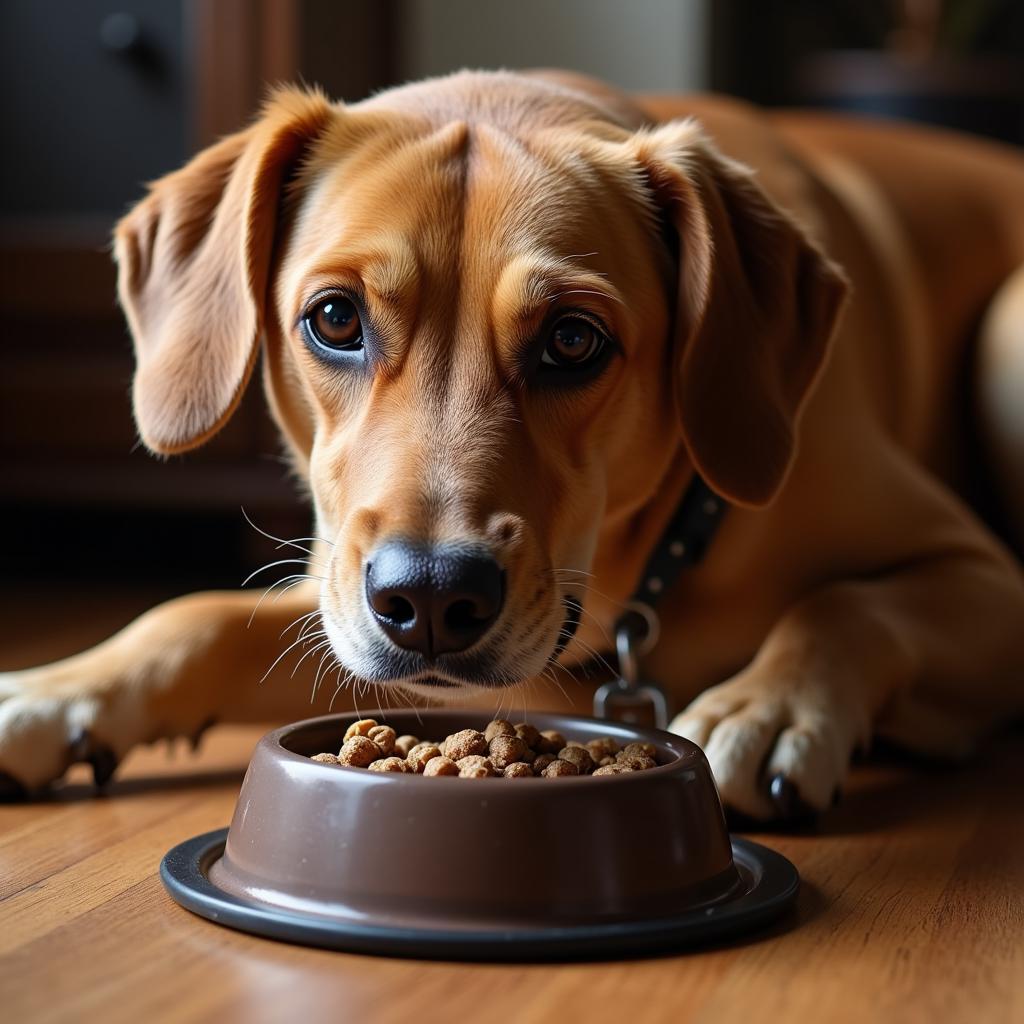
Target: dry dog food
(502,749)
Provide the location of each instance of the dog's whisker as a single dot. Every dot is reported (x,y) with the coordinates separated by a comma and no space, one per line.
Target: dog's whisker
(295,622)
(308,628)
(314,540)
(312,650)
(295,583)
(271,565)
(324,657)
(281,541)
(277,660)
(594,654)
(263,597)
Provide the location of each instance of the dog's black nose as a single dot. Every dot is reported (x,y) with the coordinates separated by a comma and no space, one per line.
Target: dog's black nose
(435,600)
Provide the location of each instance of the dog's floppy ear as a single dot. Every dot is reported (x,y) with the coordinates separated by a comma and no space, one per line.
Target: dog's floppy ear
(193,259)
(756,307)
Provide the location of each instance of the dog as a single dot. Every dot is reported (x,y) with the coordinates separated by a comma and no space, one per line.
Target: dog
(506,320)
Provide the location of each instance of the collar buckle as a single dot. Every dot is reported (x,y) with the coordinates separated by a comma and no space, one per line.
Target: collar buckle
(623,699)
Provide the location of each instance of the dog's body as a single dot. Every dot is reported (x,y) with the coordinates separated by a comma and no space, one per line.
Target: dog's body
(849,589)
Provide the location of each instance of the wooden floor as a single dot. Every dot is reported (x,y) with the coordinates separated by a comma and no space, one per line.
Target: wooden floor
(912,907)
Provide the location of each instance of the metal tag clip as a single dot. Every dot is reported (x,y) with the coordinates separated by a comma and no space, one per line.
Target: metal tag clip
(625,698)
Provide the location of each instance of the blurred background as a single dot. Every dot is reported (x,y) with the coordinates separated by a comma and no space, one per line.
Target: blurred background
(99,97)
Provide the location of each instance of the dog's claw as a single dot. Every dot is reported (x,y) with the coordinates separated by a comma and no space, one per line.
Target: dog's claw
(788,802)
(11,790)
(104,763)
(103,760)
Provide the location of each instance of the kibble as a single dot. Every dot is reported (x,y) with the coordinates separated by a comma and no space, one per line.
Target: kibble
(404,744)
(600,748)
(640,750)
(502,750)
(421,754)
(360,728)
(359,752)
(384,737)
(326,758)
(551,742)
(475,766)
(462,744)
(441,766)
(638,762)
(529,734)
(499,727)
(577,756)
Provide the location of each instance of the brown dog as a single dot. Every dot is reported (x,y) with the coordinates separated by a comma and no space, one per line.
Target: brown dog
(504,322)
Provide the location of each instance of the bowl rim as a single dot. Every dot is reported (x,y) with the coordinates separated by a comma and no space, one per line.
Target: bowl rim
(688,758)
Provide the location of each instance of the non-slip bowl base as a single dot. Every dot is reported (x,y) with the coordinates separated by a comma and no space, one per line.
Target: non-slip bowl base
(770,885)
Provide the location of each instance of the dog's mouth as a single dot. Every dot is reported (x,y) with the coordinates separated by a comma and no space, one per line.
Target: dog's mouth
(492,667)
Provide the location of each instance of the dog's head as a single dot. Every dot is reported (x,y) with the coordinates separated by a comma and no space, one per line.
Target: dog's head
(495,318)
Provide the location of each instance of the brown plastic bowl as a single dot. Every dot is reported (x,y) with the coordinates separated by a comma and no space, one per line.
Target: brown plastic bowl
(470,866)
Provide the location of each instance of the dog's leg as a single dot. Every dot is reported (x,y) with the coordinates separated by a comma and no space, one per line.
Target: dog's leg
(930,655)
(171,672)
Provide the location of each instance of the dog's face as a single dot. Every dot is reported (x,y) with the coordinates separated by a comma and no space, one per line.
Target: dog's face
(474,326)
(478,332)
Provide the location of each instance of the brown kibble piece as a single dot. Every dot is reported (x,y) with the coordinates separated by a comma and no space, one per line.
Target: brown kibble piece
(605,761)
(518,770)
(465,743)
(326,758)
(475,766)
(603,746)
(639,750)
(421,754)
(359,752)
(389,764)
(441,766)
(551,742)
(638,763)
(499,727)
(528,734)
(613,769)
(360,728)
(404,744)
(504,750)
(541,761)
(384,737)
(560,767)
(579,756)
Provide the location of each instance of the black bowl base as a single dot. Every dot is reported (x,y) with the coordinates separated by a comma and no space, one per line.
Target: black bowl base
(770,885)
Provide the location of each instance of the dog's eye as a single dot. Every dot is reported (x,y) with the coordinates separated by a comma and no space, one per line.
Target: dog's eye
(334,323)
(574,343)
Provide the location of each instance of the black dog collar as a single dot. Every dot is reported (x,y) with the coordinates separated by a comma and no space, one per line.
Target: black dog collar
(684,543)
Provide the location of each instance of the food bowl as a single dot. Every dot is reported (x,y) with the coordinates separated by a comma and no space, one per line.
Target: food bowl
(478,868)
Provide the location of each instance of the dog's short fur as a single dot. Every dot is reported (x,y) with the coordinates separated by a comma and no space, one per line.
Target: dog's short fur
(849,590)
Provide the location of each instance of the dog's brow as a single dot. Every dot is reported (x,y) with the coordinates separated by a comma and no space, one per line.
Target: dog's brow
(387,269)
(528,288)
(390,273)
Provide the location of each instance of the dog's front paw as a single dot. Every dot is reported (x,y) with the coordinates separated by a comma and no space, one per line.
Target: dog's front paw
(778,748)
(42,734)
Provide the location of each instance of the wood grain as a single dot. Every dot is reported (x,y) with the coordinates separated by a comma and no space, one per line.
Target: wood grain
(912,910)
